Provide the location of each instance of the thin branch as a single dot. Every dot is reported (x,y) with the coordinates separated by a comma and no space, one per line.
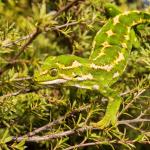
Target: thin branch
(16,93)
(90,144)
(106,142)
(21,79)
(69,5)
(21,61)
(10,94)
(45,127)
(63,25)
(133,121)
(53,135)
(7,45)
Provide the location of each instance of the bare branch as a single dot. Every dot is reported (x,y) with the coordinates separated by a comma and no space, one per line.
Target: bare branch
(53,135)
(133,121)
(69,5)
(90,144)
(105,142)
(10,94)
(7,45)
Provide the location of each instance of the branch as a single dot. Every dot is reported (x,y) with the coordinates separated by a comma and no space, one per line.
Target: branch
(90,144)
(53,135)
(133,121)
(10,94)
(106,142)
(69,5)
(16,93)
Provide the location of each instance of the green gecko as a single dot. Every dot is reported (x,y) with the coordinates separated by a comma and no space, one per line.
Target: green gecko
(107,62)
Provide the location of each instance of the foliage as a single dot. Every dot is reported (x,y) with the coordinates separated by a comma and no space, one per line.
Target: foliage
(56,117)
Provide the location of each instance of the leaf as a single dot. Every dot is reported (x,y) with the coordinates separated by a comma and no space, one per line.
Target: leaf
(5,50)
(5,137)
(43,9)
(20,145)
(79,119)
(36,11)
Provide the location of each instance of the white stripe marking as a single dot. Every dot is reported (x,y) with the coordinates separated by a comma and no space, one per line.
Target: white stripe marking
(105,67)
(57,81)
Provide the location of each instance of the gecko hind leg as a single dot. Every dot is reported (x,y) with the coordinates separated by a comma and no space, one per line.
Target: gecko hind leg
(110,117)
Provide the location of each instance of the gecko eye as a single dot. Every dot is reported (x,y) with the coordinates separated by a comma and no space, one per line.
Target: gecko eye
(53,72)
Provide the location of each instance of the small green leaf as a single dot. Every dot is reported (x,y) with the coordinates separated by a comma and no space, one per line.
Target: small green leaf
(43,9)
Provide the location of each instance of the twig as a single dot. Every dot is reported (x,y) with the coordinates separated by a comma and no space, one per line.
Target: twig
(67,133)
(16,93)
(21,79)
(69,5)
(7,45)
(45,127)
(21,61)
(62,26)
(133,121)
(11,94)
(90,144)
(106,142)
(53,135)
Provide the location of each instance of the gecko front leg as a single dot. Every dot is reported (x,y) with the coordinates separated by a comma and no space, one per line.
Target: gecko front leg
(110,117)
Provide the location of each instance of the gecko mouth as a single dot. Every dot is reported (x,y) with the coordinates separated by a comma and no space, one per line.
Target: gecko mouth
(57,81)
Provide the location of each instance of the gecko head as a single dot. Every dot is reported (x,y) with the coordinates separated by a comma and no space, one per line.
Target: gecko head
(59,70)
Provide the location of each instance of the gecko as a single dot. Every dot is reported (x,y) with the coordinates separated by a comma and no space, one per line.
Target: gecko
(111,49)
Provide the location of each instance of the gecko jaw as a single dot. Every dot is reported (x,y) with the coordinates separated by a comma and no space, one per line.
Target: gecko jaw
(57,81)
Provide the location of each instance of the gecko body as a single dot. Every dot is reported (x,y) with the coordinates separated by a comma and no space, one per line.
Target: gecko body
(109,56)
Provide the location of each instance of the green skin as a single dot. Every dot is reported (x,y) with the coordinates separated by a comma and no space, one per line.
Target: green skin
(111,11)
(111,49)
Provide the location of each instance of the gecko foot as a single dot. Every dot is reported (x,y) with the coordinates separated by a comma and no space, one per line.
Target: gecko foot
(105,122)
